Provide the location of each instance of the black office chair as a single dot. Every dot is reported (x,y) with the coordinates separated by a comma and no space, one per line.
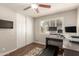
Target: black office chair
(50,51)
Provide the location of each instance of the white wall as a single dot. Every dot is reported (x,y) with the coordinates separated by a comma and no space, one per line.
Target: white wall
(77,21)
(29,30)
(21,34)
(70,18)
(7,36)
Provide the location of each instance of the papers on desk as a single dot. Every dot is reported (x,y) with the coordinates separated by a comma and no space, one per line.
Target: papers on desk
(74,39)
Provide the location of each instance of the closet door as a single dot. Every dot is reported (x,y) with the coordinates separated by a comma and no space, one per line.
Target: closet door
(20,22)
(29,30)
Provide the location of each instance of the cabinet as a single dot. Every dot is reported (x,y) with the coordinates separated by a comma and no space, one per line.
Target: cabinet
(68,52)
(54,22)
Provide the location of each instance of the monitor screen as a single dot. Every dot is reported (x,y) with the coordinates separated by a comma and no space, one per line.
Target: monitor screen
(52,29)
(6,24)
(71,29)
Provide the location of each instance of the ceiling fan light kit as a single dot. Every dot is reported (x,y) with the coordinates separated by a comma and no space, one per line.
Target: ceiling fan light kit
(34,6)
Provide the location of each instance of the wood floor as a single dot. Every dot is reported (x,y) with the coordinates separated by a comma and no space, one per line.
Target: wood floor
(22,51)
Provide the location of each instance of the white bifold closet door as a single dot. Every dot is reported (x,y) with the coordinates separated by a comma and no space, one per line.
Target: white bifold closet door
(20,25)
(29,30)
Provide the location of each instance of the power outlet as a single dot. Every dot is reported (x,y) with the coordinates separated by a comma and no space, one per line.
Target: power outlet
(3,49)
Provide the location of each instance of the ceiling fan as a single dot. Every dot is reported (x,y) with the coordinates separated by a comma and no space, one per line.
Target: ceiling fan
(35,7)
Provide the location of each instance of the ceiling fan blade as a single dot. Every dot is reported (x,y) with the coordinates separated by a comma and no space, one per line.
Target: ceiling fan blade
(27,8)
(44,5)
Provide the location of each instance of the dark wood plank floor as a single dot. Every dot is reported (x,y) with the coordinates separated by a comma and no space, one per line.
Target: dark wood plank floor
(22,51)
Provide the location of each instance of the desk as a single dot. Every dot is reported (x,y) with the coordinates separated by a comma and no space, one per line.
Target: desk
(70,48)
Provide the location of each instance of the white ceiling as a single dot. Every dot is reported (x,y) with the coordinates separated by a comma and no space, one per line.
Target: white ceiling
(55,7)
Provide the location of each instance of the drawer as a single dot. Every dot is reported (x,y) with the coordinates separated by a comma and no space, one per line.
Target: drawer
(55,43)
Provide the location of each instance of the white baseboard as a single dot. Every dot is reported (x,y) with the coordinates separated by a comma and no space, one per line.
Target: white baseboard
(2,54)
(40,42)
